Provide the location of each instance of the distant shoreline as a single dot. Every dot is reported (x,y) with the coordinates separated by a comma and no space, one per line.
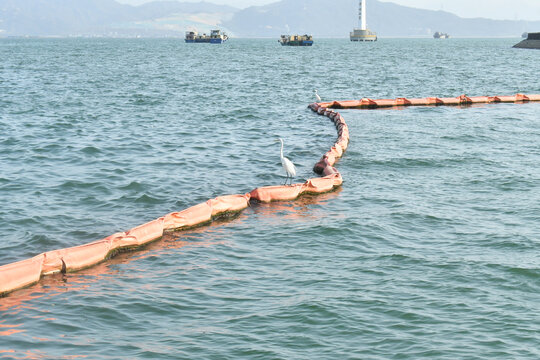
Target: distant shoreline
(247,38)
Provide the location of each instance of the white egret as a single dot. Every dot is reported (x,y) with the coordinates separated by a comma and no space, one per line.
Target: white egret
(287,164)
(317,96)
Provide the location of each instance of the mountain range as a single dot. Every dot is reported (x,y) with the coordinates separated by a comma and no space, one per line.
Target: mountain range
(107,17)
(172,18)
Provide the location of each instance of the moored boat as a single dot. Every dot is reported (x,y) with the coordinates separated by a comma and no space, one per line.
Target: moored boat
(215,37)
(296,40)
(440,35)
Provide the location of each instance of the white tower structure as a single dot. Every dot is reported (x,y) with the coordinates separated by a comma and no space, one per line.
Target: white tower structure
(362,33)
(362,15)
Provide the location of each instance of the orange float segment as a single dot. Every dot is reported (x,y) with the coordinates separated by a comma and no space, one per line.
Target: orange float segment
(343,143)
(339,122)
(460,100)
(333,115)
(277,193)
(148,232)
(385,102)
(336,178)
(330,158)
(325,104)
(52,262)
(193,216)
(522,97)
(20,274)
(480,99)
(345,104)
(435,101)
(75,258)
(343,139)
(367,103)
(336,151)
(318,185)
(507,99)
(321,110)
(229,203)
(124,242)
(83,256)
(328,112)
(419,102)
(447,101)
(402,102)
(119,240)
(332,104)
(534,97)
(344,132)
(464,99)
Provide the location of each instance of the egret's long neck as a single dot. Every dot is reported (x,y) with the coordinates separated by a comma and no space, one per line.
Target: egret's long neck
(281,148)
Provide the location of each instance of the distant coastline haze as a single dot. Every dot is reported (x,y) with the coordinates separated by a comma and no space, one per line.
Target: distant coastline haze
(264,18)
(491,9)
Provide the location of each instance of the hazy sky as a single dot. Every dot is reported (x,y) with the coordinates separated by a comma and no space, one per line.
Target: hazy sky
(495,9)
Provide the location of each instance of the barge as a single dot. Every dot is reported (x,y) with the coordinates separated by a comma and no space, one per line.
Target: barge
(215,37)
(296,40)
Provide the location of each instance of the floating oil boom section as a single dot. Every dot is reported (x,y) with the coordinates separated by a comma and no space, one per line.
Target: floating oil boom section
(27,272)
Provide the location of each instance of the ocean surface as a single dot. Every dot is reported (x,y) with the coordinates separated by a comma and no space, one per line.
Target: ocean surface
(431,248)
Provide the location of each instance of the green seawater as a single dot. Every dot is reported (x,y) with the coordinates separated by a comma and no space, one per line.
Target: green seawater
(429,250)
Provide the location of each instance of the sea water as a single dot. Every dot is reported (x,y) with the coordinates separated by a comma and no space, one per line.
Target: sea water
(429,250)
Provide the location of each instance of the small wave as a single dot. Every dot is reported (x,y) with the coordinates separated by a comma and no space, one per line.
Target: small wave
(147,199)
(134,185)
(90,150)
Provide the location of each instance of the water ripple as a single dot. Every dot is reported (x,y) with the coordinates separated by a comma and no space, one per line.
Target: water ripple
(430,249)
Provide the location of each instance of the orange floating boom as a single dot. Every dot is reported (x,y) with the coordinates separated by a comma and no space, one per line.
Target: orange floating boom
(27,272)
(366,103)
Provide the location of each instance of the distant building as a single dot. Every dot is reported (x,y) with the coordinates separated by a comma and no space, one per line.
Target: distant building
(362,33)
